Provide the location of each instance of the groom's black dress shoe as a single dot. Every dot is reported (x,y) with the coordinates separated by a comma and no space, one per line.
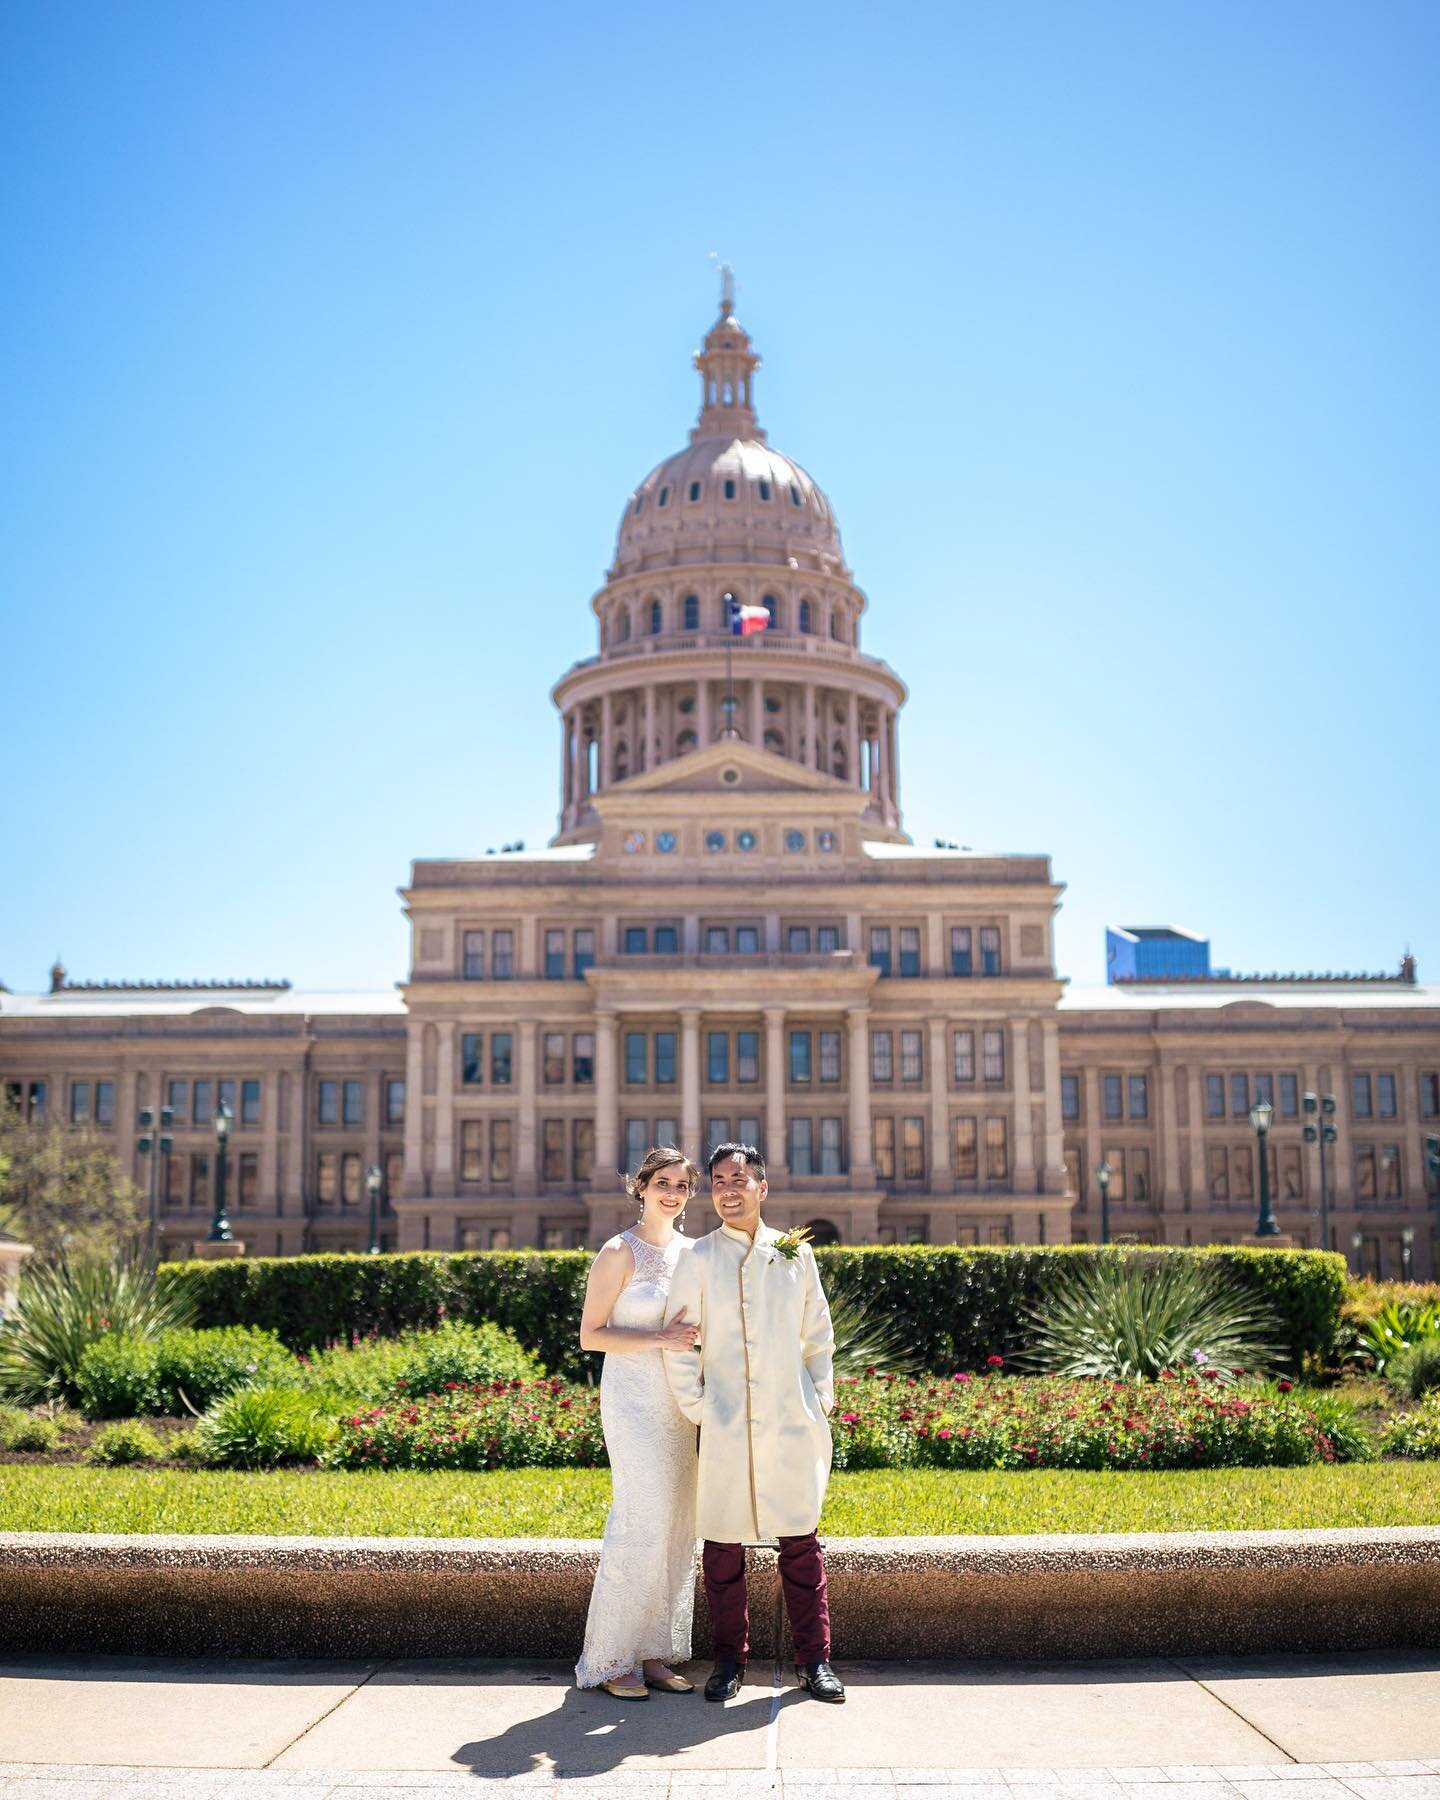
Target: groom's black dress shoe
(821,1680)
(725,1680)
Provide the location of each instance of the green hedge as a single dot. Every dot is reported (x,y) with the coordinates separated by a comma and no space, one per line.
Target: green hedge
(957,1305)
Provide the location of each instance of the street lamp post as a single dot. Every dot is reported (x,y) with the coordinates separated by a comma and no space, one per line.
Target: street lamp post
(1322,1134)
(1103,1172)
(1357,1244)
(1260,1115)
(220,1227)
(1407,1251)
(155,1145)
(372,1187)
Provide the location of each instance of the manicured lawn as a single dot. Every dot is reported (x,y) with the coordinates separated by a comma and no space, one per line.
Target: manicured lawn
(572,1503)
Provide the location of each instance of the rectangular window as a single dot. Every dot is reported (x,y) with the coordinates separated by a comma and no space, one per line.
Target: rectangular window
(747,940)
(501,1049)
(831,1149)
(247,1178)
(1214,1096)
(394,1167)
(829,1046)
(797,940)
(225,1093)
(1265,1090)
(79,1102)
(1114,1096)
(200,1179)
(1115,1156)
(1291,1173)
(328,1109)
(989,950)
(1429,1093)
(665,1058)
(717,1132)
(582,1052)
(717,1058)
(502,955)
(582,1149)
(474,956)
(635,1059)
(201,1103)
(554,955)
(960,960)
(799,1055)
(909,950)
(962,1046)
(249,1102)
(583,949)
(748,1132)
(883,1140)
(882,1057)
(552,1149)
(912,1056)
(552,1058)
(965,1150)
(637,1142)
(636,940)
(800,1147)
(1385,1096)
(747,1056)
(880,948)
(717,940)
(352,1103)
(1239,1096)
(1217,1176)
(912,1151)
(35,1100)
(472,1059)
(992,1051)
(1390,1171)
(997,1153)
(104,1102)
(827,939)
(1139,1099)
(350,1179)
(177,1098)
(1242,1172)
(667,940)
(327,1178)
(1069,1096)
(500,1164)
(1360,1101)
(1289,1096)
(667,1131)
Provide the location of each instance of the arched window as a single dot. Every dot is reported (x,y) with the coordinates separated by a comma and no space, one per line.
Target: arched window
(774,741)
(654,618)
(639,504)
(694,490)
(622,760)
(764,490)
(625,625)
(823,1232)
(729,488)
(592,765)
(685,742)
(805,615)
(835,626)
(772,606)
(692,612)
(664,499)
(794,494)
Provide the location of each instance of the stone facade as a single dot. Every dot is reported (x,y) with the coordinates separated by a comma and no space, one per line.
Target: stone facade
(731,935)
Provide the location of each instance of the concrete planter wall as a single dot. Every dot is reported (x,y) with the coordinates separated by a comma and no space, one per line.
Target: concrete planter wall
(1016,1597)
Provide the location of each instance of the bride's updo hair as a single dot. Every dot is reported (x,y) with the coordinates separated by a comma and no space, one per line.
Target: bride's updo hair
(662,1156)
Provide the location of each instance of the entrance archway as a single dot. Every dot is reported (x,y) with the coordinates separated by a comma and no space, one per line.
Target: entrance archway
(822,1232)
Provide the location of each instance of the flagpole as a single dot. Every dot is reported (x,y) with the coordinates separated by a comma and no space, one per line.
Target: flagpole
(729,707)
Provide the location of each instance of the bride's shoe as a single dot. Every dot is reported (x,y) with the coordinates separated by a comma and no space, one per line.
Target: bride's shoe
(627,1690)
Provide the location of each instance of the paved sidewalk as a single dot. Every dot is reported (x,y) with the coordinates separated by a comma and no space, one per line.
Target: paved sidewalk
(1344,1727)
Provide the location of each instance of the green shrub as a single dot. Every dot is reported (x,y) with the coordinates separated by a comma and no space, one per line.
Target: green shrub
(1414,1434)
(481,1425)
(199,1366)
(353,1374)
(457,1352)
(955,1304)
(118,1378)
(182,1447)
(1130,1320)
(11,1419)
(1341,1423)
(1416,1370)
(33,1433)
(126,1442)
(257,1427)
(64,1307)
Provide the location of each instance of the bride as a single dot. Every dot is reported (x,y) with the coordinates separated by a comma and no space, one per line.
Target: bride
(643,1600)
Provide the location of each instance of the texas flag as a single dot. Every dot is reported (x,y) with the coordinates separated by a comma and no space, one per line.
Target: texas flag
(747,619)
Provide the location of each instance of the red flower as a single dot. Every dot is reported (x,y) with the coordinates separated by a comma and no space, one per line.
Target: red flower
(994,1362)
(1284,1386)
(943,1434)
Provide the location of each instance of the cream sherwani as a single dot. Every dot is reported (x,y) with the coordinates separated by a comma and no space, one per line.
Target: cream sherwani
(760,1387)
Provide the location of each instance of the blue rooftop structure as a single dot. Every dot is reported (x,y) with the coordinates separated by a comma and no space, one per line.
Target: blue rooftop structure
(1154,953)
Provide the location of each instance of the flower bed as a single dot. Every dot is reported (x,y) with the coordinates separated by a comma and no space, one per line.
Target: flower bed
(477,1425)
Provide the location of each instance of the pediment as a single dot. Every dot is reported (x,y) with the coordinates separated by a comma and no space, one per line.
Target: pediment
(727,768)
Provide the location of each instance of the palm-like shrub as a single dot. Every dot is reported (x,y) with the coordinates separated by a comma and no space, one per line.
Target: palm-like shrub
(1416,1370)
(866,1341)
(1126,1320)
(1396,1329)
(64,1307)
(257,1427)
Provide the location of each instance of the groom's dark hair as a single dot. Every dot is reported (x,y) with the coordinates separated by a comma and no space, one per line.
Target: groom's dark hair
(747,1154)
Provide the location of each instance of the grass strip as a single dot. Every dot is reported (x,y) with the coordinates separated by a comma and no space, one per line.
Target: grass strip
(572,1503)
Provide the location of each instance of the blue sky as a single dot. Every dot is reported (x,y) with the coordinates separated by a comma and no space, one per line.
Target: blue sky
(335,336)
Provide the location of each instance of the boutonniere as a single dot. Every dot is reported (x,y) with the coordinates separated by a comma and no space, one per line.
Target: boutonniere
(788,1246)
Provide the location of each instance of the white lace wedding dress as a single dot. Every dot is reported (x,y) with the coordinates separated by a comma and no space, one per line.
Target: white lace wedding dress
(643,1602)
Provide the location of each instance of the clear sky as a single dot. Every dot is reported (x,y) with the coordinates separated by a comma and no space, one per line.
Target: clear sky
(334,337)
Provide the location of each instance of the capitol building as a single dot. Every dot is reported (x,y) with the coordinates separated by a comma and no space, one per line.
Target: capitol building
(730,935)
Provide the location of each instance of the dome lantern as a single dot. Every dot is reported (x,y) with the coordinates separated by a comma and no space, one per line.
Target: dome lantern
(727,368)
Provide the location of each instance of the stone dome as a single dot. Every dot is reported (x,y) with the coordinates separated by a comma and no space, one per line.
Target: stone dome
(728,496)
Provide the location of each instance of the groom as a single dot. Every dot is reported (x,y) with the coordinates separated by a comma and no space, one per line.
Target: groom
(760,1386)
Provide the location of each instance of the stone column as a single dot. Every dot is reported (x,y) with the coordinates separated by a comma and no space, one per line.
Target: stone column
(604,761)
(811,759)
(852,739)
(892,764)
(702,714)
(566,768)
(1336,1080)
(1168,1195)
(576,753)
(776,1147)
(1023,1170)
(1199,1191)
(527,1128)
(1054,1119)
(862,1150)
(445,1106)
(757,714)
(942,1180)
(690,1080)
(646,757)
(1094,1138)
(607,1098)
(296,1121)
(935,965)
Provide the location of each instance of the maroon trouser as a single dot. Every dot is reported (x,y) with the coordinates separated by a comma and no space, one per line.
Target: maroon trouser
(802,1576)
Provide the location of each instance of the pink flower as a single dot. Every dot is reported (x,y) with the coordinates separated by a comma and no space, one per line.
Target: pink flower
(849,1418)
(942,1433)
(994,1362)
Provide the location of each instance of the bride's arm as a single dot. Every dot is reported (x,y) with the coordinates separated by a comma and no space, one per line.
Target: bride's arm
(683,1364)
(609,1274)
